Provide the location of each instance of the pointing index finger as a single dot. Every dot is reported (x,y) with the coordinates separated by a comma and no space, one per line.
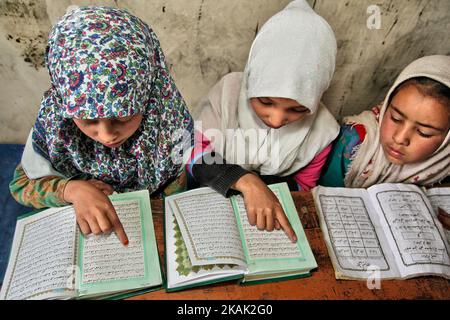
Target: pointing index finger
(284,222)
(117,226)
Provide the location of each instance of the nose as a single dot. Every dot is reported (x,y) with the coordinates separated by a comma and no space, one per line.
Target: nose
(402,136)
(106,133)
(277,120)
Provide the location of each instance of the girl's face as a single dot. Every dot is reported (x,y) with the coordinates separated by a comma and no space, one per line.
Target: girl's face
(278,112)
(413,127)
(111,132)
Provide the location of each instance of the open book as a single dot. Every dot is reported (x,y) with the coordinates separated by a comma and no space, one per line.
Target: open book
(389,228)
(208,239)
(51,259)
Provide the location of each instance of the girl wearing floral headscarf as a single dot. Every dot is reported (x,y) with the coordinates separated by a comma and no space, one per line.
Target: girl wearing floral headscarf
(112,120)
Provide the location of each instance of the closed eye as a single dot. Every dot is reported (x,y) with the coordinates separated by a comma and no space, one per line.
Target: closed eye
(396,120)
(265,101)
(395,117)
(300,110)
(424,135)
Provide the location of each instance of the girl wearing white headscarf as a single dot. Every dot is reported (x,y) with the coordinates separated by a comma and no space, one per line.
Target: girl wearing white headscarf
(277,100)
(404,141)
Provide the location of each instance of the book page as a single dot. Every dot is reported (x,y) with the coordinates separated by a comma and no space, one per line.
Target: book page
(271,254)
(208,226)
(105,258)
(42,257)
(180,271)
(262,244)
(440,197)
(109,266)
(412,229)
(356,244)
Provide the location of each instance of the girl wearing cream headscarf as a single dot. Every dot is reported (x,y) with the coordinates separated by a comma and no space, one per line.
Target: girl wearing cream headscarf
(267,124)
(406,140)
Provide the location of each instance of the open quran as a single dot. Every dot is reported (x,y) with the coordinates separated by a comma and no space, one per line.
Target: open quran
(208,239)
(391,229)
(51,259)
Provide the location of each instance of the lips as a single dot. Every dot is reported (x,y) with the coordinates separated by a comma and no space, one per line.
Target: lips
(395,153)
(115,145)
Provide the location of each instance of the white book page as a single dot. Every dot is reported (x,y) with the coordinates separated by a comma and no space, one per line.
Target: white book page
(262,244)
(42,257)
(208,226)
(440,197)
(105,258)
(356,243)
(414,234)
(180,271)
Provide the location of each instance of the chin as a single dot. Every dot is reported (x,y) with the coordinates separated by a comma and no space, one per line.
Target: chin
(396,161)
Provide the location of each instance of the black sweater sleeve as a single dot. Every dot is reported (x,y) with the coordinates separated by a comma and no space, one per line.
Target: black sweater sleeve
(220,176)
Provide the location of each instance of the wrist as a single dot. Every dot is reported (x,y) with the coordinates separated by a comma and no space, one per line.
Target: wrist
(246,182)
(71,190)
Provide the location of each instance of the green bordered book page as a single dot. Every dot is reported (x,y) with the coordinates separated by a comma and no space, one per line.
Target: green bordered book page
(271,255)
(106,266)
(202,240)
(51,260)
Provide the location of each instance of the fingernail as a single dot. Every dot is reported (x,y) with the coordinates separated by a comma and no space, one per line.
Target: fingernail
(126,242)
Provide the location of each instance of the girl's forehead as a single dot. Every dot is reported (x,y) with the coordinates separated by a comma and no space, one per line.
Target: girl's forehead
(125,117)
(284,102)
(422,109)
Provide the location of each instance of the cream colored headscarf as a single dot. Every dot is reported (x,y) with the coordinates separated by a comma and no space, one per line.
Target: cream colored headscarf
(370,165)
(293,56)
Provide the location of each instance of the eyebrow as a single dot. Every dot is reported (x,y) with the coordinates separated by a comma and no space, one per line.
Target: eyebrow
(419,123)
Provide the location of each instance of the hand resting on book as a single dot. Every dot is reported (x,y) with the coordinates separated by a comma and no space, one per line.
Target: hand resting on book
(263,208)
(94,211)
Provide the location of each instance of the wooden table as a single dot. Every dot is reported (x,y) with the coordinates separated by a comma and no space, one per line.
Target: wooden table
(321,285)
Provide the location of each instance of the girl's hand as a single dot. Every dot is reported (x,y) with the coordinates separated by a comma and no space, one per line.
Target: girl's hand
(263,208)
(95,212)
(444,218)
(102,186)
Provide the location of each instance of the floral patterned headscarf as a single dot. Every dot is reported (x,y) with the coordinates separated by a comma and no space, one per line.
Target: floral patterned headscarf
(104,62)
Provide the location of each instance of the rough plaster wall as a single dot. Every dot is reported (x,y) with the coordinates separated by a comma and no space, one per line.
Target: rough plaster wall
(368,61)
(205,39)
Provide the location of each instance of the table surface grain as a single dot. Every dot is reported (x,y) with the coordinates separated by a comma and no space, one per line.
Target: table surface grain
(321,285)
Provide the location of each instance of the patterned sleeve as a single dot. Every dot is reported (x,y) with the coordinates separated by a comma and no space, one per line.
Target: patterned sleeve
(38,193)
